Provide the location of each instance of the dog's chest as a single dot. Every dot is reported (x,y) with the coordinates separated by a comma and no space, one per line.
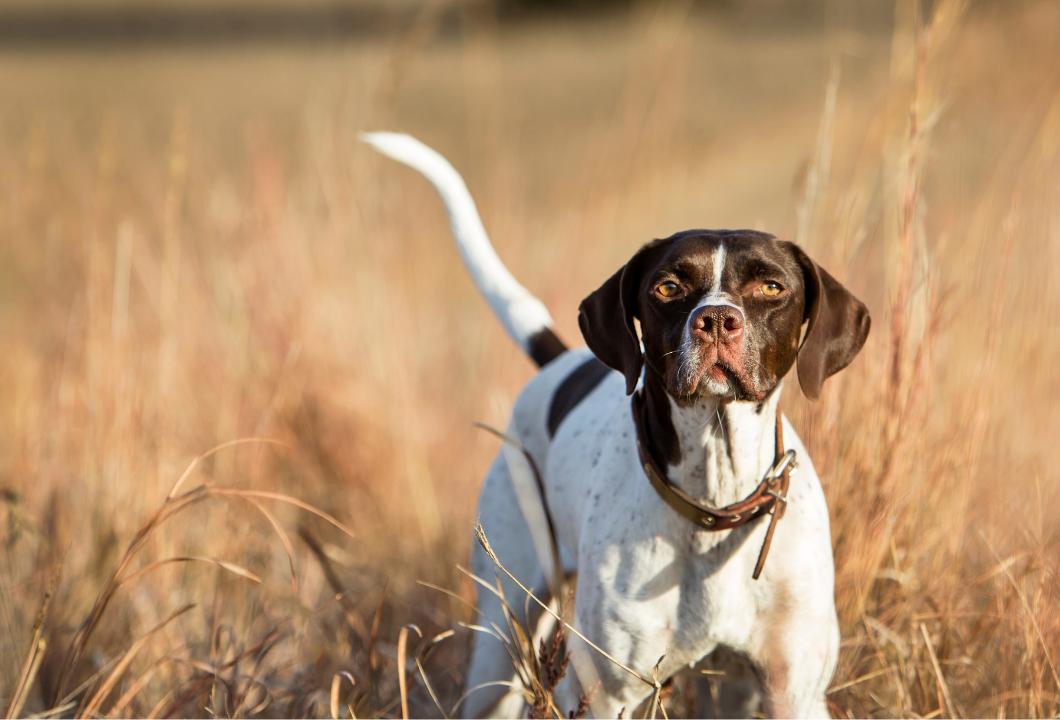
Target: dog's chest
(676,590)
(661,585)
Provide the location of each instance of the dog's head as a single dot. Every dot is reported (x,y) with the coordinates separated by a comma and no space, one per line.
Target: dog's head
(721,314)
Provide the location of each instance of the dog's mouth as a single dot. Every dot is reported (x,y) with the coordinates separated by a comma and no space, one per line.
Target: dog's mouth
(718,378)
(720,372)
(715,376)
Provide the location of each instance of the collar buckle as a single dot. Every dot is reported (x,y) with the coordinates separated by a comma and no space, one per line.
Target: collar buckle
(785,463)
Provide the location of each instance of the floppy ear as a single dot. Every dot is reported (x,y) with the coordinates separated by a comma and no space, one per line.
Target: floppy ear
(838,326)
(606,322)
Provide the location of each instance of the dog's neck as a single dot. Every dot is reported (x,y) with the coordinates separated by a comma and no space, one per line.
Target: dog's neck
(716,451)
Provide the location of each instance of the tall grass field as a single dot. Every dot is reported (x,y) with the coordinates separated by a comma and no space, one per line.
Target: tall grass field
(241,364)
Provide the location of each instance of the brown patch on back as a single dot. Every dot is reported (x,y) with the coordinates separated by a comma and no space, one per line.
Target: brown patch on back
(581,381)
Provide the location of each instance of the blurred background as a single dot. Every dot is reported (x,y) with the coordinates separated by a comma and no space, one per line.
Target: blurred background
(241,361)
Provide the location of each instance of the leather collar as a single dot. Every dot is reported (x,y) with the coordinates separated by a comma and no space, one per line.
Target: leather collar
(769,498)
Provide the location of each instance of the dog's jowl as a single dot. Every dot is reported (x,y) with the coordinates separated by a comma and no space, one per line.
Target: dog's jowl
(680,502)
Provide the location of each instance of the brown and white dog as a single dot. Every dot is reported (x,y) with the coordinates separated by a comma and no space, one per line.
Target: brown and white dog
(722,315)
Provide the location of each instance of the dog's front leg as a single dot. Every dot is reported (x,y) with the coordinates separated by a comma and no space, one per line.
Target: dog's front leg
(592,683)
(797,655)
(611,676)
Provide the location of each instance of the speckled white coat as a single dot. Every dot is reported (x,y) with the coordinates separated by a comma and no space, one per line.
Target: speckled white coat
(649,584)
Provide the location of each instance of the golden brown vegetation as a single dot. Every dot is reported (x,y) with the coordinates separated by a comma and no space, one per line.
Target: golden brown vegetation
(195,250)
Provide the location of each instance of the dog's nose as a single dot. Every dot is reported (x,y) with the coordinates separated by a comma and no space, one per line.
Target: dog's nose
(723,323)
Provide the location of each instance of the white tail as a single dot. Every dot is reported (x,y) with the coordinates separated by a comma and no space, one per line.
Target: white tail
(523,316)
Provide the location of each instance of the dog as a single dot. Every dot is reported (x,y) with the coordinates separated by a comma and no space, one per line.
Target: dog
(665,468)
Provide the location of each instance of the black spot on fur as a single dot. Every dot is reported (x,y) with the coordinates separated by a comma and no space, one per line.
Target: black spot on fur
(544,346)
(581,381)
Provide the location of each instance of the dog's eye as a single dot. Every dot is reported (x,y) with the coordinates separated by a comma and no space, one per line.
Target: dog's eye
(771,289)
(668,289)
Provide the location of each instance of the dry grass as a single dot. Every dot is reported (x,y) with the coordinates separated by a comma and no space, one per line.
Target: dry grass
(195,250)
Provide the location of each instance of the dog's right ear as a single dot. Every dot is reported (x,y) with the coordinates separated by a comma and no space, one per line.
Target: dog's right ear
(838,325)
(606,321)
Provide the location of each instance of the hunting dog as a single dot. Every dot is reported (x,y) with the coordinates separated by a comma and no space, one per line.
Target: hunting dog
(665,466)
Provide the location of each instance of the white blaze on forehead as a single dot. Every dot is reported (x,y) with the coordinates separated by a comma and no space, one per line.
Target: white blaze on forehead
(714,295)
(719,267)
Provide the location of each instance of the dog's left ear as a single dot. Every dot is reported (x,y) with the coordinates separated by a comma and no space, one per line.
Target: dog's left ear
(838,326)
(606,321)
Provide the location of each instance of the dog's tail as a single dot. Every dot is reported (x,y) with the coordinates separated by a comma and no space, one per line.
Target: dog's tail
(523,316)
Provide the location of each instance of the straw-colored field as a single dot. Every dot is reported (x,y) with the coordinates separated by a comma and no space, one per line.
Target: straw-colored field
(195,250)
